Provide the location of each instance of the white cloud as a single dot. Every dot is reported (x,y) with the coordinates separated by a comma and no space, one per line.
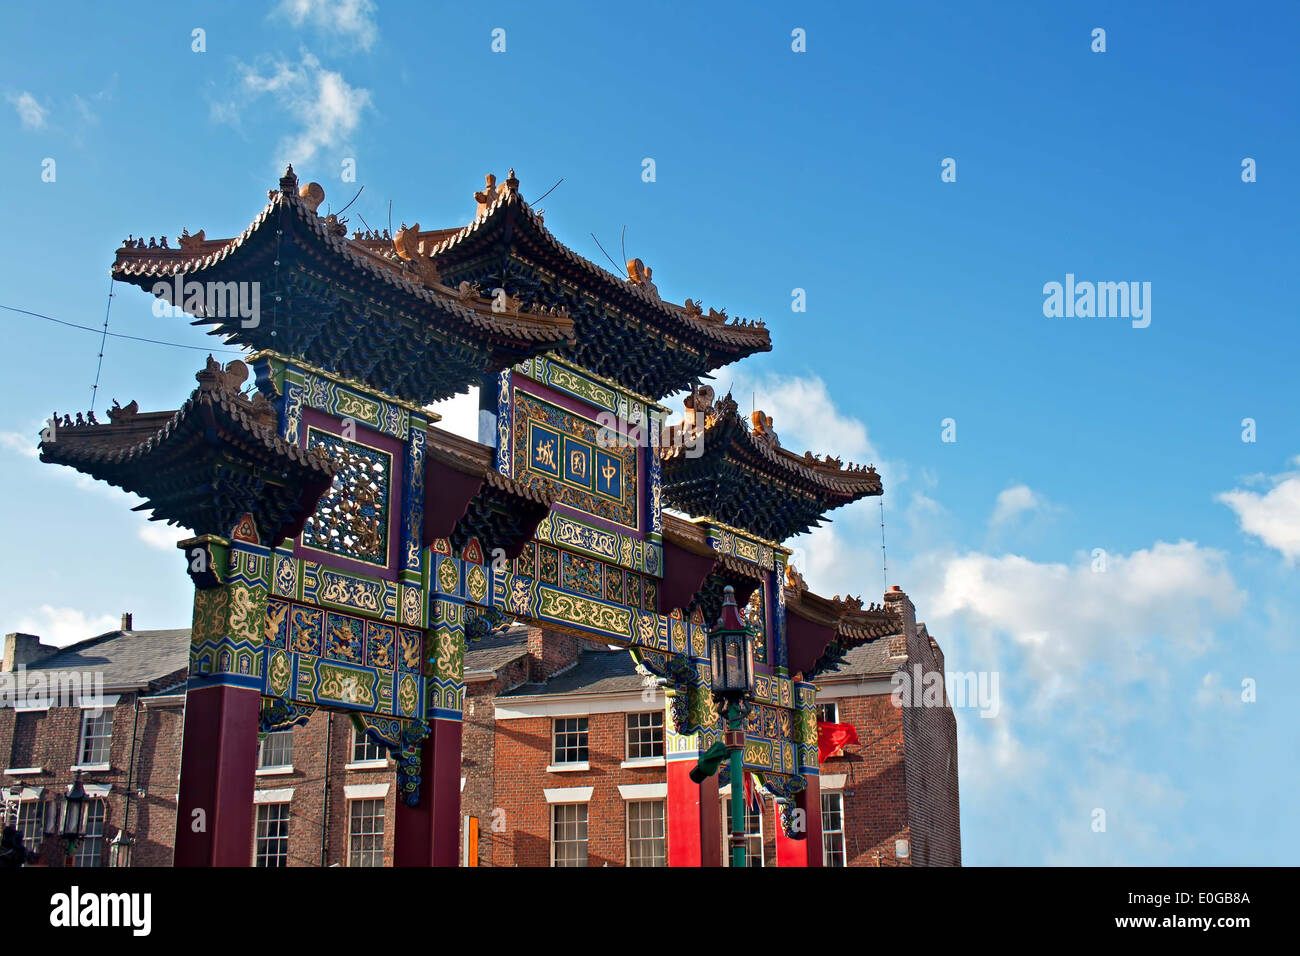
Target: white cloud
(1066,617)
(1211,693)
(20,444)
(30,112)
(1136,804)
(162,536)
(328,108)
(1273,517)
(350,19)
(84,110)
(66,625)
(1015,501)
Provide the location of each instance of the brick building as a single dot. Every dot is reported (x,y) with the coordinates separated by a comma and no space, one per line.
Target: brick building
(582,754)
(110,709)
(563,760)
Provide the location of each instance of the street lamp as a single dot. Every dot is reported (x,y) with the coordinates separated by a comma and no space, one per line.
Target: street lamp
(119,849)
(74,818)
(731,652)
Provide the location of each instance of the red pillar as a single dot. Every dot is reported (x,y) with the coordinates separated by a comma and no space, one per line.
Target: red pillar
(214,815)
(806,851)
(694,821)
(811,797)
(429,834)
(710,823)
(789,851)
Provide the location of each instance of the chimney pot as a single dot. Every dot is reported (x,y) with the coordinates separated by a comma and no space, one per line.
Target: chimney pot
(126,620)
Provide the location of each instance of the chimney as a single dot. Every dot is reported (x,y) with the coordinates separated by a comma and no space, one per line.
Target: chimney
(24,649)
(126,620)
(550,652)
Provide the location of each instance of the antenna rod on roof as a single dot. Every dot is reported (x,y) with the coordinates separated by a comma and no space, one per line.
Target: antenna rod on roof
(352,200)
(548,192)
(884,559)
(607,255)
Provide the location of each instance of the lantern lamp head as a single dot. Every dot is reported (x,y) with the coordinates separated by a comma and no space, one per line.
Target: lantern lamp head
(74,812)
(731,652)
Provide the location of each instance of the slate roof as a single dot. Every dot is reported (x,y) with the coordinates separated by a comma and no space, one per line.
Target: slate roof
(598,671)
(489,655)
(126,659)
(880,657)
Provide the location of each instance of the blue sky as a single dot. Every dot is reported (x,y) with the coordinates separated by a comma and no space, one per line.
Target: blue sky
(775,170)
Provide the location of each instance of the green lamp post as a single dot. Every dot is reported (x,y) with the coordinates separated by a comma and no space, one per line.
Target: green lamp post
(731,652)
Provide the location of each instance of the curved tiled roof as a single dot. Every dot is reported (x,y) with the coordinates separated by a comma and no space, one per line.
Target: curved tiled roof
(742,334)
(725,426)
(203,465)
(143,267)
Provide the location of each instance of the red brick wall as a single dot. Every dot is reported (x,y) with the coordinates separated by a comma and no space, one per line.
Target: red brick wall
(322,749)
(875,785)
(51,740)
(930,735)
(478,753)
(523,753)
(158,767)
(550,652)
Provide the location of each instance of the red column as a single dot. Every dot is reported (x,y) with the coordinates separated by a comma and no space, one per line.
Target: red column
(429,834)
(806,851)
(683,815)
(811,797)
(710,823)
(693,818)
(214,815)
(789,852)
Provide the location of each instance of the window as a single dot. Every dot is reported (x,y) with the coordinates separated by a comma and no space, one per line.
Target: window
(753,835)
(90,849)
(96,736)
(365,750)
(366,833)
(27,730)
(272,844)
(833,829)
(276,751)
(569,833)
(645,834)
(828,713)
(570,738)
(31,823)
(645,735)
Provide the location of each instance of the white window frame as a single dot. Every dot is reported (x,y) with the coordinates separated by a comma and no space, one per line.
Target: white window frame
(90,848)
(751,835)
(561,766)
(627,829)
(281,809)
(381,833)
(842,831)
(265,769)
(95,717)
(642,760)
(41,811)
(585,822)
(835,711)
(371,763)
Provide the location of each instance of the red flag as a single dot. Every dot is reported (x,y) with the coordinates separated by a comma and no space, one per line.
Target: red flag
(753,801)
(833,738)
